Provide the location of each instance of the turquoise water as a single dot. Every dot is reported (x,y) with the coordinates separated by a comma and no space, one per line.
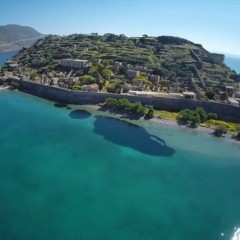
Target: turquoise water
(69,174)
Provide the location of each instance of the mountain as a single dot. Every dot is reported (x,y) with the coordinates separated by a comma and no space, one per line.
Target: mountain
(14,37)
(165,63)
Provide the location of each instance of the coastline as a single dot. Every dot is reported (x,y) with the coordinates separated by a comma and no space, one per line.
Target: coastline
(4,88)
(96,109)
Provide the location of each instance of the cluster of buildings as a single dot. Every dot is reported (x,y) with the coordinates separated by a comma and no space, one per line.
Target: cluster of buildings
(134,87)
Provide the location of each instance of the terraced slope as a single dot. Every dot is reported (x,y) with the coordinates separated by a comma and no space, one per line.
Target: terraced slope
(177,61)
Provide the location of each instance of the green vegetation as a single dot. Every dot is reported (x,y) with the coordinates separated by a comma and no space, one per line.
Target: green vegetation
(224,96)
(202,114)
(76,87)
(33,74)
(210,94)
(238,131)
(150,113)
(195,117)
(166,114)
(14,84)
(212,116)
(179,63)
(220,130)
(231,127)
(126,105)
(189,117)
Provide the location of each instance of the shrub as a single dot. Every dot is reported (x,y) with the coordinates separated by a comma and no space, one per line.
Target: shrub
(212,116)
(202,114)
(76,87)
(14,85)
(124,103)
(87,79)
(189,117)
(150,113)
(111,102)
(210,94)
(107,73)
(220,130)
(138,108)
(224,96)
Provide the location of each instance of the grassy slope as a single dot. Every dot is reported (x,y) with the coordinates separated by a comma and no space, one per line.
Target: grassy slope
(170,55)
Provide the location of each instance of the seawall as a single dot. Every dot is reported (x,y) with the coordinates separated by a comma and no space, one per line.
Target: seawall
(224,111)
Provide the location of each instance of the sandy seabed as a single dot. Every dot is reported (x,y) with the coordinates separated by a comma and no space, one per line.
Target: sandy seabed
(96,109)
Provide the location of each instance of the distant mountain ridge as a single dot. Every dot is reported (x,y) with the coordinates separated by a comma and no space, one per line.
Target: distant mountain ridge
(14,37)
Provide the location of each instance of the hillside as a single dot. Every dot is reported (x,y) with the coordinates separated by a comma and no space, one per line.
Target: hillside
(14,37)
(163,63)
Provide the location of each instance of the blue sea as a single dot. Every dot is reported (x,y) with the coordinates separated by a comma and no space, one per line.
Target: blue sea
(5,56)
(76,174)
(233,62)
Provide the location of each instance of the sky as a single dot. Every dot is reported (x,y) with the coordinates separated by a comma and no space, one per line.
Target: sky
(212,23)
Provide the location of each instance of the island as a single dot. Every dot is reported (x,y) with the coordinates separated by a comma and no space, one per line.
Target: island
(163,73)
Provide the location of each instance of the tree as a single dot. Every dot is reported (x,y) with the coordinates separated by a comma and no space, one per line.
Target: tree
(111,102)
(195,119)
(189,117)
(224,96)
(75,87)
(14,84)
(138,108)
(210,94)
(220,130)
(150,113)
(107,73)
(184,115)
(124,103)
(212,116)
(87,79)
(202,114)
(33,74)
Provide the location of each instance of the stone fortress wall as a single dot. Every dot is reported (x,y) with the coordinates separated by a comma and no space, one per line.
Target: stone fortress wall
(224,111)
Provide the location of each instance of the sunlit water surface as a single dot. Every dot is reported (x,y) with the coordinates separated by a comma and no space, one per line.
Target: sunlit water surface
(70,174)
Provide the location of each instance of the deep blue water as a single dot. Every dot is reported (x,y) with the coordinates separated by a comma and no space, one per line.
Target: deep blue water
(233,62)
(5,56)
(75,174)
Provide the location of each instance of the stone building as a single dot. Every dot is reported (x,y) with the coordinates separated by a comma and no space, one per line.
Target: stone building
(216,58)
(155,78)
(90,88)
(132,73)
(75,63)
